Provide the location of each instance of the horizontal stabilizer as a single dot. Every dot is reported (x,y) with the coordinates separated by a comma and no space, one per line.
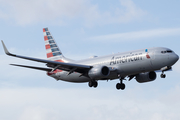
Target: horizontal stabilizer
(32,67)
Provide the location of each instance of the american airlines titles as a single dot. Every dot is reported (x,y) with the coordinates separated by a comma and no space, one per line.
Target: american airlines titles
(125,59)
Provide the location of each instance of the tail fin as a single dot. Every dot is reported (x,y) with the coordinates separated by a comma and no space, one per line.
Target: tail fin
(52,50)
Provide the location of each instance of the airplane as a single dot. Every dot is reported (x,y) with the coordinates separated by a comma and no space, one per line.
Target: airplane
(139,64)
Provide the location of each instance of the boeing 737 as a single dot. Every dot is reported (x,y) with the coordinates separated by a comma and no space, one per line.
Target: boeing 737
(139,64)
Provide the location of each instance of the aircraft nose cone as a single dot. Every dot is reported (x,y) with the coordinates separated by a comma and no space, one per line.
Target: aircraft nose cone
(175,58)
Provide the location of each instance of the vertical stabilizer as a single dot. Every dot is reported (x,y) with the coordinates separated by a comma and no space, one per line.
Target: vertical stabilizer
(52,50)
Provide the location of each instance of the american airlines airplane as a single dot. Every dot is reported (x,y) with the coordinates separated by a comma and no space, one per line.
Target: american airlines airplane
(138,64)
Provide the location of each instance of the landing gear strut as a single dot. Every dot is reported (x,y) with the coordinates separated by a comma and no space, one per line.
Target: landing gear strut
(120,85)
(93,84)
(165,69)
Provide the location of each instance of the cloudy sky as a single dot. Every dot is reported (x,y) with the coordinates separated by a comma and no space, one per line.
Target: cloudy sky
(83,28)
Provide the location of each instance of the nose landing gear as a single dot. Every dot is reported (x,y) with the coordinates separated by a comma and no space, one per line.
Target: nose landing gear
(163,75)
(166,68)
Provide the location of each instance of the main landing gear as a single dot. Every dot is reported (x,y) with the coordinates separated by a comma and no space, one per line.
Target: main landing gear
(93,84)
(120,85)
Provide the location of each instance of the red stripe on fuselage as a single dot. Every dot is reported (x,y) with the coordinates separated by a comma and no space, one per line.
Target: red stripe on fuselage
(54,72)
(59,60)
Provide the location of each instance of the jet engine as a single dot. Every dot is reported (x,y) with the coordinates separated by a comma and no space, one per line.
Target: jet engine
(99,72)
(146,77)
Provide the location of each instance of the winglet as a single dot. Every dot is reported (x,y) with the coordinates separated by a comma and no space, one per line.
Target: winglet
(5,49)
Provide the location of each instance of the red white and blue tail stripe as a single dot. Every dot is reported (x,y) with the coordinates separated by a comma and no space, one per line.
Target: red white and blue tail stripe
(52,50)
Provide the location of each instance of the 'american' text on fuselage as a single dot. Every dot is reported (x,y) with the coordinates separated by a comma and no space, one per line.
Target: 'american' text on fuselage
(125,59)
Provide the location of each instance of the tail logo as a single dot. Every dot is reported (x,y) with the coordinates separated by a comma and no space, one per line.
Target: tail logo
(52,50)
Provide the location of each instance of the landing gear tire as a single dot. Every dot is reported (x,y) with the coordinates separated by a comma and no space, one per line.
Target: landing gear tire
(120,86)
(163,76)
(93,84)
(90,84)
(123,86)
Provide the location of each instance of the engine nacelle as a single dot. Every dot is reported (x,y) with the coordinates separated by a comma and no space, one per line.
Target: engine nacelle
(99,72)
(146,77)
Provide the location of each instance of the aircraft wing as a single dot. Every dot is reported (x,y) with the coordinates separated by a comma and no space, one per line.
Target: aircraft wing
(32,67)
(71,67)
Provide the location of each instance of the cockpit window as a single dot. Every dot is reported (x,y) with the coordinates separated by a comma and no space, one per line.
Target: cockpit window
(167,51)
(163,51)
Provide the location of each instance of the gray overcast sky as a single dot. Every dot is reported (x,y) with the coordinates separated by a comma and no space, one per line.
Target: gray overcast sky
(83,28)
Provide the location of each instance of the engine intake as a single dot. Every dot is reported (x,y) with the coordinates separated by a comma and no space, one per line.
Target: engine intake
(146,77)
(99,72)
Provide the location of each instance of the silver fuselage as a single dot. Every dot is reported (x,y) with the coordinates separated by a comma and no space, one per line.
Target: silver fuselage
(125,64)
